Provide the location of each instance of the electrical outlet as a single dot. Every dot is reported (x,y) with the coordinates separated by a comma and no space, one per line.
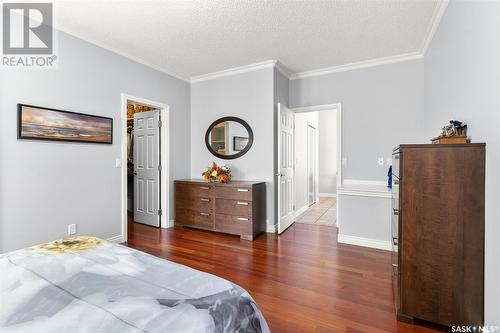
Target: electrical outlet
(71,229)
(389,161)
(381,161)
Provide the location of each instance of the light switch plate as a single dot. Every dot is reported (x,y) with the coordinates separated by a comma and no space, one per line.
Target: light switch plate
(118,163)
(71,229)
(380,161)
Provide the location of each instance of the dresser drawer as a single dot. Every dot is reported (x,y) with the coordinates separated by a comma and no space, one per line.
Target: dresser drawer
(237,225)
(234,207)
(204,220)
(235,193)
(193,190)
(199,204)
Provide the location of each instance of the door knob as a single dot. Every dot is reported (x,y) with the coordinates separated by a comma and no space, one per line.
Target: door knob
(135,173)
(279,174)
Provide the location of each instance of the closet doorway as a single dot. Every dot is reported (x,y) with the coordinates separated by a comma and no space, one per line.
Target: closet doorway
(144,162)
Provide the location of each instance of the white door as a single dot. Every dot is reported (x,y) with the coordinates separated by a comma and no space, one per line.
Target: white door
(311,164)
(285,176)
(147,167)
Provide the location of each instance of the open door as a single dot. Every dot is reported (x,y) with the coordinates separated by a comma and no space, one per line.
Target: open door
(285,176)
(147,167)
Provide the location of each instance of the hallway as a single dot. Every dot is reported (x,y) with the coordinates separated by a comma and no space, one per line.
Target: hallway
(323,212)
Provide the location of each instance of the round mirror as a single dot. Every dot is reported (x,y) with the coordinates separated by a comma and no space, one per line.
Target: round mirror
(229,138)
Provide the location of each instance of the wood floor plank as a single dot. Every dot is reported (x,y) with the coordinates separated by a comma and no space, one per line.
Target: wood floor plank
(303,280)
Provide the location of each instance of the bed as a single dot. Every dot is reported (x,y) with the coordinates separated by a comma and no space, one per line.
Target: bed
(85,284)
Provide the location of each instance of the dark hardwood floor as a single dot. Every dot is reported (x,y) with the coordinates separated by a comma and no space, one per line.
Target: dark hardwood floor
(303,280)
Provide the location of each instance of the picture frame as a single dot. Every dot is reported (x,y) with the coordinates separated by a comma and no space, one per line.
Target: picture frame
(42,123)
(239,143)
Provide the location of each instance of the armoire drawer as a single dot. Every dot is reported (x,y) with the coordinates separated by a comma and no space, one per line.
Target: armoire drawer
(234,207)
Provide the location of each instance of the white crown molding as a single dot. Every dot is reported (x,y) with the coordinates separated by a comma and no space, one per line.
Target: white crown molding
(365,242)
(365,182)
(358,65)
(123,54)
(234,71)
(435,21)
(364,188)
(283,70)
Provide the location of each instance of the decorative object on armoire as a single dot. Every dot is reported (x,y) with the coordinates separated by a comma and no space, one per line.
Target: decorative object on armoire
(215,173)
(438,233)
(389,177)
(453,133)
(237,208)
(41,123)
(229,138)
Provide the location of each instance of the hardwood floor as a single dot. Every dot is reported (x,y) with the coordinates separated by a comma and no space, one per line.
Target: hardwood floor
(303,280)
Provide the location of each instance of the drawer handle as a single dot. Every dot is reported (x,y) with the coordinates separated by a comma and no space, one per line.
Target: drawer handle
(243,219)
(204,214)
(396,181)
(241,203)
(204,187)
(205,200)
(394,265)
(243,190)
(395,241)
(395,211)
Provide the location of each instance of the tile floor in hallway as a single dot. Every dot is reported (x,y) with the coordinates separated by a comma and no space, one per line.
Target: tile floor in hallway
(323,212)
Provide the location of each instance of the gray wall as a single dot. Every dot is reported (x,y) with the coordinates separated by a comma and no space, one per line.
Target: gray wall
(382,107)
(462,81)
(327,152)
(249,96)
(47,185)
(365,217)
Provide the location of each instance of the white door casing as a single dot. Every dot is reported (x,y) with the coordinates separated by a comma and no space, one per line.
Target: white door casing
(285,176)
(147,167)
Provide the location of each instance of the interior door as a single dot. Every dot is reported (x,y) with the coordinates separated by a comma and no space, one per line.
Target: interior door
(311,164)
(147,167)
(285,176)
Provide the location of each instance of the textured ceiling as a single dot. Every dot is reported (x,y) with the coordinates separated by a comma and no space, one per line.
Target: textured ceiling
(193,37)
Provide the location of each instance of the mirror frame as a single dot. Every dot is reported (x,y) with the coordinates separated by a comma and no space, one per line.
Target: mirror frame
(238,154)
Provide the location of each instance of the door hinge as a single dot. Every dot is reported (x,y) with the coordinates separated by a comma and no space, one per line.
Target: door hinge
(160,212)
(159,123)
(159,167)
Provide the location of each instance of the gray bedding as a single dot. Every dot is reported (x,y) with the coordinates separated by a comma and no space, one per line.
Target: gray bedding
(84,284)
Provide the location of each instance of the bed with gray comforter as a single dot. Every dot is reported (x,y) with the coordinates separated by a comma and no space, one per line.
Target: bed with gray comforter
(85,284)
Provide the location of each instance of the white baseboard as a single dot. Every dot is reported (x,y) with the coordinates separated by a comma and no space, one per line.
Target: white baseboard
(116,239)
(329,195)
(366,242)
(301,210)
(171,223)
(271,229)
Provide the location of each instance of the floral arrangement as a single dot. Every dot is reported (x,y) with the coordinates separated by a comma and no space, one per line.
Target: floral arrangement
(217,173)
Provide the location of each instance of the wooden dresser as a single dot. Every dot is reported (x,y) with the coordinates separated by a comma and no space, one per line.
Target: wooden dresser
(438,233)
(237,208)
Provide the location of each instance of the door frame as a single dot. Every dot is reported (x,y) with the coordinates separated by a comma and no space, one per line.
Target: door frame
(316,161)
(164,158)
(340,150)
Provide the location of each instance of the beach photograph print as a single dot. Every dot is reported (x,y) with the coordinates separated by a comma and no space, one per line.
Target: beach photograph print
(48,124)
